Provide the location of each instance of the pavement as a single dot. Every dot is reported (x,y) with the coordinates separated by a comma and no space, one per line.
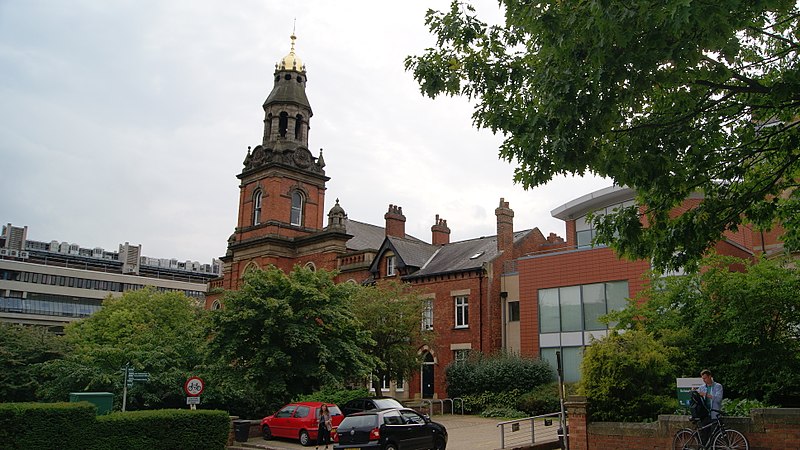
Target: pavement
(464,432)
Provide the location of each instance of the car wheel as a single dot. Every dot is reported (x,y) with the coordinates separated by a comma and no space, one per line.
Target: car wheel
(390,446)
(304,438)
(439,444)
(266,432)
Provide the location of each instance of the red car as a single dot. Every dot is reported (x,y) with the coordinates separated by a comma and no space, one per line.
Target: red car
(298,421)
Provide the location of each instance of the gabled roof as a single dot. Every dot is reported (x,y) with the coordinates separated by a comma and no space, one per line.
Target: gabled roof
(412,253)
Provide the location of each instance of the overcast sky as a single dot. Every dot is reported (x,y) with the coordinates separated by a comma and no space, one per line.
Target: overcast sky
(128,121)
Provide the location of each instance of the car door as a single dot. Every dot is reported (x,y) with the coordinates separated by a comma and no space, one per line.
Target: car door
(419,434)
(398,431)
(304,420)
(281,421)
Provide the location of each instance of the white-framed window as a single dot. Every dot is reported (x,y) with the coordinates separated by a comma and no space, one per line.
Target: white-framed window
(427,314)
(460,356)
(297,209)
(399,384)
(257,207)
(390,272)
(386,383)
(216,305)
(462,311)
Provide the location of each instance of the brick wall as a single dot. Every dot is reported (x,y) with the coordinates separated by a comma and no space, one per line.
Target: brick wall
(765,429)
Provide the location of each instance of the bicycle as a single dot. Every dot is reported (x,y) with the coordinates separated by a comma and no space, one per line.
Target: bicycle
(721,437)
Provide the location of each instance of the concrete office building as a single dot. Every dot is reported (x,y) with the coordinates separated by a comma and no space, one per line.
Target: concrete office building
(54,283)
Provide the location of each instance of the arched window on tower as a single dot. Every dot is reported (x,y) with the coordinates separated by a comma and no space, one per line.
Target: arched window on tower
(283,124)
(257,207)
(297,209)
(268,128)
(298,126)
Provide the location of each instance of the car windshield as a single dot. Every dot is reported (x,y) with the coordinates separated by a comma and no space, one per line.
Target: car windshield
(360,422)
(334,411)
(381,403)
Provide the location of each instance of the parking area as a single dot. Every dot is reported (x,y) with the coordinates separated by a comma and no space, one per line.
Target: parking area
(464,432)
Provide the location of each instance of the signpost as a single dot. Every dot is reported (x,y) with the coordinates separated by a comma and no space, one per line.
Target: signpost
(194,387)
(130,376)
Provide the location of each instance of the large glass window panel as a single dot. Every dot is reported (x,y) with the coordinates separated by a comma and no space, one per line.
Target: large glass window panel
(549,355)
(584,238)
(616,296)
(549,315)
(571,358)
(571,317)
(594,306)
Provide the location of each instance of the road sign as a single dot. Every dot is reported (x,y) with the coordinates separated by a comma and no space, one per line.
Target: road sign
(194,386)
(192,400)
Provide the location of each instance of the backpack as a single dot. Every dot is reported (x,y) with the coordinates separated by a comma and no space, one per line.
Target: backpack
(697,407)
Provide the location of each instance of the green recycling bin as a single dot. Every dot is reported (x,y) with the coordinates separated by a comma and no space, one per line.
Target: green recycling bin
(103,400)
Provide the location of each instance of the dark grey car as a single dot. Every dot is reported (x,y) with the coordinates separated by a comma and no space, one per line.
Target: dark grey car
(390,429)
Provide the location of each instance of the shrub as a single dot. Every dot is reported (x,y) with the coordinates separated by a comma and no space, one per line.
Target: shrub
(501,371)
(505,413)
(628,377)
(541,400)
(741,407)
(475,404)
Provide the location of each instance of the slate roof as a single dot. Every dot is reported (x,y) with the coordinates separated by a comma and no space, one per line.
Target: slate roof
(463,255)
(413,253)
(367,236)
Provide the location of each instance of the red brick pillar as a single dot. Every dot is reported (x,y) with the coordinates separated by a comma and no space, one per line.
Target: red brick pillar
(577,414)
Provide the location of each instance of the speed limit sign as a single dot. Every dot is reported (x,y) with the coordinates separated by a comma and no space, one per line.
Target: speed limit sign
(194,386)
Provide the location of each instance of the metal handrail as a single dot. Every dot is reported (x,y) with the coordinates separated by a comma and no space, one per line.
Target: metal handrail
(522,438)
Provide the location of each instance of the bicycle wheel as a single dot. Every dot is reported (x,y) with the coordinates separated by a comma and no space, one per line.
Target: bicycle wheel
(686,439)
(731,440)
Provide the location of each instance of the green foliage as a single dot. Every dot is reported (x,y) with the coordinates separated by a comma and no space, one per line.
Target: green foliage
(498,372)
(337,396)
(282,335)
(476,403)
(730,321)
(543,399)
(741,407)
(505,413)
(161,333)
(391,314)
(34,426)
(22,350)
(628,377)
(166,428)
(667,97)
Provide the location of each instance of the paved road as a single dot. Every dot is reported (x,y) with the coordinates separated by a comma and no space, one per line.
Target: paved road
(464,433)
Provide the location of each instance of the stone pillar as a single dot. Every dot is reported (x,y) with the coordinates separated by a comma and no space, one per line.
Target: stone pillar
(578,413)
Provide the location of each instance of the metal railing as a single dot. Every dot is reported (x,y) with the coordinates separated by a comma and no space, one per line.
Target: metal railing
(530,430)
(427,404)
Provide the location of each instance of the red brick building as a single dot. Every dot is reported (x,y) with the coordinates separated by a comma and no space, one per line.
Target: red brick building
(281,222)
(562,293)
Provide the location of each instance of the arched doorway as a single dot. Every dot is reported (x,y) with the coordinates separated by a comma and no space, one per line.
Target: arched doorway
(428,372)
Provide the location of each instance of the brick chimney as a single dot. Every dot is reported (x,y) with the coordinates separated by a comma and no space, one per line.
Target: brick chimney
(440,234)
(395,222)
(505,226)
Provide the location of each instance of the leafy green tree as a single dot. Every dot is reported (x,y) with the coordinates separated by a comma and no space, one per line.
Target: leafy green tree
(282,335)
(667,97)
(392,314)
(629,377)
(161,333)
(741,319)
(22,350)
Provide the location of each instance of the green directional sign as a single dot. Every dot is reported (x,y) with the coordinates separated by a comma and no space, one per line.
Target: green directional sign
(141,376)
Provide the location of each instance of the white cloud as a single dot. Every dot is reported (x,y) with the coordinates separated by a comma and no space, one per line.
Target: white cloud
(128,121)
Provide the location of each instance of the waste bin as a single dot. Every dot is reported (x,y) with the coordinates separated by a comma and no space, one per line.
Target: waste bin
(241,430)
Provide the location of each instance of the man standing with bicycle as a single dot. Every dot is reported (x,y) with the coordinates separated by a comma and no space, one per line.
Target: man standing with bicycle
(712,393)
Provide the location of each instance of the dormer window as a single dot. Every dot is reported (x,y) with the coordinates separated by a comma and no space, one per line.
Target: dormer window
(297,209)
(390,272)
(257,207)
